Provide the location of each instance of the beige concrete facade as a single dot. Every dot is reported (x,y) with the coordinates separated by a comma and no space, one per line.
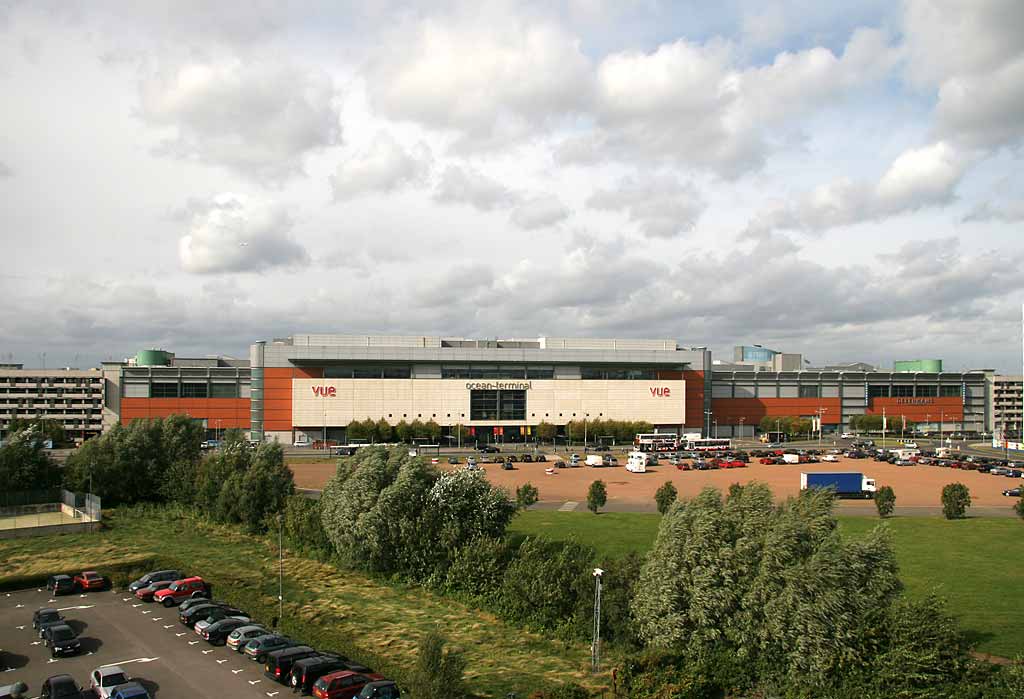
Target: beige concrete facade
(446,401)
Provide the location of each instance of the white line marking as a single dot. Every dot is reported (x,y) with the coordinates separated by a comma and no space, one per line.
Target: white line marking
(255,681)
(179,635)
(81,595)
(52,660)
(35,643)
(192,643)
(53,599)
(20,628)
(147,611)
(167,626)
(133,660)
(80,606)
(220,662)
(157,618)
(125,599)
(271,694)
(233,671)
(136,605)
(19,606)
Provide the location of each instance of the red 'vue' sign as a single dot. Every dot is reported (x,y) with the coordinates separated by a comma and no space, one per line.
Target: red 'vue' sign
(663,392)
(325,391)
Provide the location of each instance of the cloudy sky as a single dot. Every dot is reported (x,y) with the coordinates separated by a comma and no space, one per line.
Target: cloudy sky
(842,182)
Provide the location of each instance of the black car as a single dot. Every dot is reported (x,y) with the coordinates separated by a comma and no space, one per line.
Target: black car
(61,640)
(202,611)
(602,447)
(47,616)
(541,458)
(216,614)
(60,584)
(489,449)
(278,665)
(453,460)
(258,648)
(156,576)
(1013,492)
(381,689)
(60,687)
(217,632)
(196,601)
(306,671)
(527,459)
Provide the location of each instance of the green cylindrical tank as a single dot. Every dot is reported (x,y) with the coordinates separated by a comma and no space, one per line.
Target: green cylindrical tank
(153,357)
(931,366)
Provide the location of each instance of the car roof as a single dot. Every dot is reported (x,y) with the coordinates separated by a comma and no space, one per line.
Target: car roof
(105,670)
(381,683)
(61,625)
(252,627)
(339,674)
(47,610)
(130,689)
(89,572)
(61,576)
(60,678)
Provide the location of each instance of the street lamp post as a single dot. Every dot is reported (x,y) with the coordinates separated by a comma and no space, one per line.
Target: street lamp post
(707,422)
(280,569)
(595,647)
(716,429)
(742,419)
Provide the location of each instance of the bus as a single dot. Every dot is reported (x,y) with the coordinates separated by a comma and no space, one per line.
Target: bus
(656,441)
(708,445)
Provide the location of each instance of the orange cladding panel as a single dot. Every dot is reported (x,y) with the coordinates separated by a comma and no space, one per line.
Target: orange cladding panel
(919,409)
(728,411)
(694,401)
(230,412)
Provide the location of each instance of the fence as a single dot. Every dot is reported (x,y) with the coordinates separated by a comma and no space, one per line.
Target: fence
(57,511)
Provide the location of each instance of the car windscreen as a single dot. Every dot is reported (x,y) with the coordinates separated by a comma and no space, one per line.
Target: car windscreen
(49,616)
(65,634)
(114,679)
(175,587)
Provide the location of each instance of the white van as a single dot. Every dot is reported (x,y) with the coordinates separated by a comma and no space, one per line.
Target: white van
(637,462)
(595,460)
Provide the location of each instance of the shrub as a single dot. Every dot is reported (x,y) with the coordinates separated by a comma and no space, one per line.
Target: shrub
(526,495)
(438,670)
(545,581)
(885,500)
(665,496)
(561,691)
(956,498)
(597,496)
(303,527)
(479,567)
(1019,508)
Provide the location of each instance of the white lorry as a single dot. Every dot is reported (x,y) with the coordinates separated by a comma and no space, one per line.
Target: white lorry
(595,460)
(637,462)
(791,458)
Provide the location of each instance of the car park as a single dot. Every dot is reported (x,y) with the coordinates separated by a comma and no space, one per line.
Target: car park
(181,590)
(238,637)
(278,665)
(103,680)
(89,580)
(61,639)
(258,648)
(47,616)
(146,593)
(155,576)
(60,584)
(527,459)
(129,690)
(380,689)
(343,684)
(60,687)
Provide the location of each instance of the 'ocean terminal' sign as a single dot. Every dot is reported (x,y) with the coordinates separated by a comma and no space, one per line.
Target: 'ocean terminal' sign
(915,401)
(500,386)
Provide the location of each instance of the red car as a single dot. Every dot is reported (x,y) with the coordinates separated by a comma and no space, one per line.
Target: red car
(146,593)
(768,460)
(181,590)
(683,466)
(89,580)
(343,684)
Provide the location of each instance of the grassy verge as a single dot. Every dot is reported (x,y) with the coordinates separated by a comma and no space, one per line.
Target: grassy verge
(976,564)
(326,606)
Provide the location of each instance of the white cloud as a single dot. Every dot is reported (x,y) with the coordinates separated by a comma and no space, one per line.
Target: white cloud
(660,205)
(539,212)
(386,165)
(258,119)
(233,233)
(464,185)
(918,178)
(1005,211)
(494,75)
(985,110)
(5,170)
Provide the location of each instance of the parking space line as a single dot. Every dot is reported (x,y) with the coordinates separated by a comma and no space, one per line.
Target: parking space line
(205,652)
(192,643)
(221,662)
(167,626)
(235,672)
(255,681)
(179,635)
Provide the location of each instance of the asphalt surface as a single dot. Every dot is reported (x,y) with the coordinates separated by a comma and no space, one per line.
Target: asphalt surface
(144,639)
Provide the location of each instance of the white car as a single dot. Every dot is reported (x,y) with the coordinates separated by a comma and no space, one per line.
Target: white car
(104,679)
(847,435)
(831,458)
(204,624)
(302,443)
(910,445)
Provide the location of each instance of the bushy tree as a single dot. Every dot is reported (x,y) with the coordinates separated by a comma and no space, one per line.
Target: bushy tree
(478,568)
(526,495)
(665,496)
(1019,508)
(545,431)
(543,584)
(303,526)
(383,432)
(438,672)
(24,465)
(597,496)
(403,432)
(775,586)
(956,498)
(885,500)
(618,583)
(267,483)
(42,429)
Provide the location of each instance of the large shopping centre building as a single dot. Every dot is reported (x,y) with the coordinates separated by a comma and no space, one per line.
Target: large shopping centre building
(312,386)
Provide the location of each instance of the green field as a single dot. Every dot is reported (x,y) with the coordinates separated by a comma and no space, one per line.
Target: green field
(977,564)
(385,619)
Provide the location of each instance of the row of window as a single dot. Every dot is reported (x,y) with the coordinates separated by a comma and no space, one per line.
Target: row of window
(368,372)
(911,391)
(485,371)
(193,390)
(497,405)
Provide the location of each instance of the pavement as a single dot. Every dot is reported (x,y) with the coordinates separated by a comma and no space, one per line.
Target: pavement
(144,639)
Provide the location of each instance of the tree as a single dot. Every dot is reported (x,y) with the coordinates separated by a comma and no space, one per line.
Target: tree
(526,495)
(266,484)
(665,496)
(545,432)
(956,498)
(24,465)
(597,496)
(303,526)
(403,432)
(1019,508)
(885,500)
(438,672)
(543,585)
(383,433)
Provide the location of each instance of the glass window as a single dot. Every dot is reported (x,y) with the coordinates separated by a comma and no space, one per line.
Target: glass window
(397,372)
(539,372)
(902,391)
(193,390)
(588,372)
(953,391)
(224,390)
(810,391)
(454,372)
(337,372)
(927,391)
(483,405)
(618,373)
(876,391)
(366,372)
(512,405)
(163,390)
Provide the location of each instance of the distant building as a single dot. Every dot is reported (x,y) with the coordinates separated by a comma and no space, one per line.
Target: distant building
(931,366)
(760,358)
(1008,405)
(72,398)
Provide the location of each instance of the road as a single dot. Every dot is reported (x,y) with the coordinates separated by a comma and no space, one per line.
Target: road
(144,639)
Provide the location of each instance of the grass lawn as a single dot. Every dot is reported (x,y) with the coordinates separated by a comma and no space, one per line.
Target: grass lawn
(386,619)
(977,564)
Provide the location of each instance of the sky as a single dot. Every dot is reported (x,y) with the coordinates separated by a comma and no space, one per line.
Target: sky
(844,182)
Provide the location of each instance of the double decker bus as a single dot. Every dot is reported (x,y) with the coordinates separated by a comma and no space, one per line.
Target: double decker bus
(708,445)
(656,441)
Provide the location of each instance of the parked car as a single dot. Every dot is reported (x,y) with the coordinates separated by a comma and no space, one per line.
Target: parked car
(198,612)
(1013,492)
(46,616)
(196,601)
(831,458)
(258,648)
(216,634)
(910,445)
(489,449)
(238,637)
(507,465)
(560,464)
(90,580)
(306,671)
(181,590)
(103,680)
(60,584)
(60,687)
(129,690)
(847,435)
(278,665)
(541,458)
(61,639)
(610,460)
(156,576)
(146,593)
(205,617)
(527,459)
(343,684)
(18,690)
(1014,473)
(381,689)
(453,460)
